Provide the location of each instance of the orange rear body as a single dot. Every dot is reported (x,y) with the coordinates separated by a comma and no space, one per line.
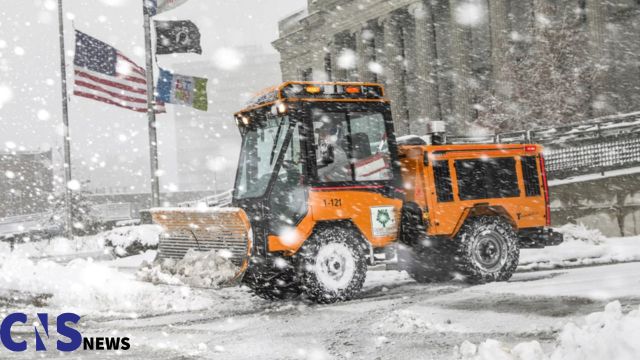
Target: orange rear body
(446,217)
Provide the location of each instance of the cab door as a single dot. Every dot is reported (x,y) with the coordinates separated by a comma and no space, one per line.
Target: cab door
(443,209)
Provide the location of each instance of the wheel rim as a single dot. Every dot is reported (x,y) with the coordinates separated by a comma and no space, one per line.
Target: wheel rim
(489,251)
(335,266)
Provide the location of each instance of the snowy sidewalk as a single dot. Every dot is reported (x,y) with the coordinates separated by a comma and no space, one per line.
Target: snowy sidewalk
(581,247)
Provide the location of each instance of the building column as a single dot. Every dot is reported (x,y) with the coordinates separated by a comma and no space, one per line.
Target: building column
(342,42)
(596,23)
(463,112)
(365,52)
(378,49)
(335,48)
(417,123)
(499,27)
(442,27)
(426,64)
(393,63)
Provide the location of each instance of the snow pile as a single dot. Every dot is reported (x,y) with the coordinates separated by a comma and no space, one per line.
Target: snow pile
(407,321)
(198,269)
(579,232)
(581,246)
(87,287)
(132,240)
(58,246)
(125,241)
(604,335)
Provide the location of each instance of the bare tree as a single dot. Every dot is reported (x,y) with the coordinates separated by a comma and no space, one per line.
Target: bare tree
(550,86)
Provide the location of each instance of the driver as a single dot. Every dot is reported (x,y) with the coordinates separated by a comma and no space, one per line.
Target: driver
(333,163)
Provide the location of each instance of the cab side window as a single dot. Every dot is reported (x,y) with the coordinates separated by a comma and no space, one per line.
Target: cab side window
(371,159)
(487,178)
(332,146)
(351,146)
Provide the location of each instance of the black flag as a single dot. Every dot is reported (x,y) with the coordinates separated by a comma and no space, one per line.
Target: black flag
(177,37)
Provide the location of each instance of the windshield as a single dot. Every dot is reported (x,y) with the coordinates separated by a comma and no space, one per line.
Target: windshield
(261,147)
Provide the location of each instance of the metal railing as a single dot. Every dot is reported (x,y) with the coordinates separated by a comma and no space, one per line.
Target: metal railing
(603,144)
(219,200)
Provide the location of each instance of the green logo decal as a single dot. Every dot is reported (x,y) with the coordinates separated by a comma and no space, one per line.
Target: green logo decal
(383,217)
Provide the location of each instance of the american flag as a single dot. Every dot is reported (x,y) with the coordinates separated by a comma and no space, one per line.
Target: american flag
(104,74)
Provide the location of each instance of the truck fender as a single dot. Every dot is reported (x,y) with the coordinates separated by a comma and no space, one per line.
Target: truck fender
(480,210)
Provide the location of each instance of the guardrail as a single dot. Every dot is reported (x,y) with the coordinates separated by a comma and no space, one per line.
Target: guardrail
(219,200)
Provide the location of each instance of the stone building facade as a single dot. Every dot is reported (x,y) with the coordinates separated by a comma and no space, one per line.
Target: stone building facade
(498,64)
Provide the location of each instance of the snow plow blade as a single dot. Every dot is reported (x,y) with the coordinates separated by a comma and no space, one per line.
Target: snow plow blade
(225,230)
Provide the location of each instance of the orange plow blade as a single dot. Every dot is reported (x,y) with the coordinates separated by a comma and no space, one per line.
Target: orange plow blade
(227,231)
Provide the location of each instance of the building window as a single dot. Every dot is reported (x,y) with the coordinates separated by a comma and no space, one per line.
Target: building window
(582,10)
(327,65)
(307,74)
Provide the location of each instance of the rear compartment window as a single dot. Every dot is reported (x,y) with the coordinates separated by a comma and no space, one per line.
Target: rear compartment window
(487,178)
(442,177)
(530,175)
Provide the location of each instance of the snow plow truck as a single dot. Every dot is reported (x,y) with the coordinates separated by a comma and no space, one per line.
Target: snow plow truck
(323,190)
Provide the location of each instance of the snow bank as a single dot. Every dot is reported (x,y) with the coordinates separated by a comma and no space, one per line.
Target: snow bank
(87,287)
(57,247)
(125,241)
(581,246)
(132,240)
(604,335)
(198,269)
(579,232)
(409,321)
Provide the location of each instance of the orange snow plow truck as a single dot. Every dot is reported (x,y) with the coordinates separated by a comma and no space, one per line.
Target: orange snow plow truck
(323,189)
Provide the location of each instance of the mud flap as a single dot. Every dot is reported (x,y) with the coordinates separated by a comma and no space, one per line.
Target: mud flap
(225,230)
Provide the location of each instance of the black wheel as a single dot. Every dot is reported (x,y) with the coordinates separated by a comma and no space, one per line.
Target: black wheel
(487,250)
(273,281)
(332,265)
(425,261)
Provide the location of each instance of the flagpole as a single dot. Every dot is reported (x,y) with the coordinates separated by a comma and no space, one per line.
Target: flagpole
(153,136)
(65,122)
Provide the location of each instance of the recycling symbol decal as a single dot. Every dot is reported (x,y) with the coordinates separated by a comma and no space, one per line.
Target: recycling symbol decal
(383,217)
(383,221)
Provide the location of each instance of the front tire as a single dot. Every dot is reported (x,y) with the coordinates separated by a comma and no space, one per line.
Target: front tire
(487,250)
(271,282)
(332,265)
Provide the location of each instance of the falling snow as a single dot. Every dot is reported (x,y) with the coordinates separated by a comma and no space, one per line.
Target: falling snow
(86,243)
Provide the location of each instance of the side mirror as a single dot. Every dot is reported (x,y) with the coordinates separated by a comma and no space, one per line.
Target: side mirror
(426,159)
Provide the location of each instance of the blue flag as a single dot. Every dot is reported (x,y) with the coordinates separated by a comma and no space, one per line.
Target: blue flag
(182,90)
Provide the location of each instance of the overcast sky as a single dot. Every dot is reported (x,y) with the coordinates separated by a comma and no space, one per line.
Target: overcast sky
(30,110)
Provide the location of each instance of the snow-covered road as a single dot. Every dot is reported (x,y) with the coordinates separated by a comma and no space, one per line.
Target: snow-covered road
(395,318)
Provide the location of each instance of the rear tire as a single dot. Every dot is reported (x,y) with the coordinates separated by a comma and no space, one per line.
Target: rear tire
(487,250)
(332,265)
(271,282)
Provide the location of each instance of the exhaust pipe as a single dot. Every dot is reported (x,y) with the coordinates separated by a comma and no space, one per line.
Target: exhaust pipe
(437,132)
